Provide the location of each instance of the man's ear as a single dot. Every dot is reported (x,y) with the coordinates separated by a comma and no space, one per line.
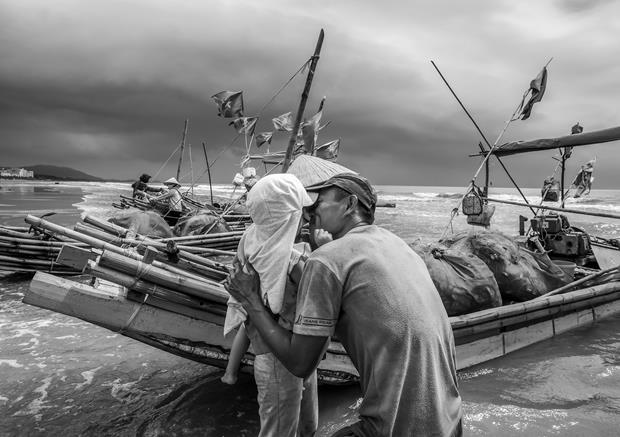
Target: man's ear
(351,204)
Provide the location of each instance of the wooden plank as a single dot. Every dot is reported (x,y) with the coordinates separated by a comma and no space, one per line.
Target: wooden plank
(574,320)
(75,257)
(479,351)
(118,314)
(606,310)
(527,335)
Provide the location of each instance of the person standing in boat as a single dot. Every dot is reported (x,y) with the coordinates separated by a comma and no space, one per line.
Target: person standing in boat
(141,187)
(288,405)
(172,196)
(372,291)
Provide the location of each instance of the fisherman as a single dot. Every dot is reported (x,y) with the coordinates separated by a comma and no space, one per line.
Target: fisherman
(288,405)
(141,187)
(172,196)
(375,294)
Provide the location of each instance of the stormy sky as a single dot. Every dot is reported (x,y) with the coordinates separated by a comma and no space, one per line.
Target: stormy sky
(105,86)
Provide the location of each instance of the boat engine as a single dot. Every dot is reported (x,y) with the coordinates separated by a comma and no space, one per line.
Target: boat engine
(559,238)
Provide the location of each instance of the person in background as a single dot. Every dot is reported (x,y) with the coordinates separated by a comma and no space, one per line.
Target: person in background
(172,196)
(288,405)
(373,292)
(141,187)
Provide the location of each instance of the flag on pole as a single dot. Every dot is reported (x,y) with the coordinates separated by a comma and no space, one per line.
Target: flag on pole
(310,132)
(283,122)
(328,151)
(229,103)
(263,137)
(536,91)
(244,125)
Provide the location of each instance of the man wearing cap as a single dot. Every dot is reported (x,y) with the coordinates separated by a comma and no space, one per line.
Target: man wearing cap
(374,293)
(173,196)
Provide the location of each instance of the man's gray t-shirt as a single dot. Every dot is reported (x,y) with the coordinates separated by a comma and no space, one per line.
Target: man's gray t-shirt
(376,295)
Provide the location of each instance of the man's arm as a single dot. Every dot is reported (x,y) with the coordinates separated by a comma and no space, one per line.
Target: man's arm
(300,354)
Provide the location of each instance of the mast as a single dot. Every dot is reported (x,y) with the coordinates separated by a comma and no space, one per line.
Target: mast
(204,147)
(182,147)
(563,171)
(302,103)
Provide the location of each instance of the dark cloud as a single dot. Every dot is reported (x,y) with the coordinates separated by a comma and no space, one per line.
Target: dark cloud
(105,87)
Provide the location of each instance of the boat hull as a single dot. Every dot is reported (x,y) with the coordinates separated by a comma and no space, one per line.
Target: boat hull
(198,335)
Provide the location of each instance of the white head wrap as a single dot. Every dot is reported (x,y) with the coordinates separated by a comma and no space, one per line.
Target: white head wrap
(275,205)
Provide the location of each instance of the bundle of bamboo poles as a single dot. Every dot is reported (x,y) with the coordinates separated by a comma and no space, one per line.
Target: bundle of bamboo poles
(188,284)
(24,250)
(37,248)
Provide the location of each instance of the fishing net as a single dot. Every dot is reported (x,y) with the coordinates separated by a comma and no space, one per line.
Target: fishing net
(147,223)
(199,223)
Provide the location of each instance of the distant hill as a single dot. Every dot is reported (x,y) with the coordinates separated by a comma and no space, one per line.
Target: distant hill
(60,173)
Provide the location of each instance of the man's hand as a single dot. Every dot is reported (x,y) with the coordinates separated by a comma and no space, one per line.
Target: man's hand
(245,287)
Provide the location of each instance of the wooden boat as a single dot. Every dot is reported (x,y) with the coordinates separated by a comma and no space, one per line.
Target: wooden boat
(178,305)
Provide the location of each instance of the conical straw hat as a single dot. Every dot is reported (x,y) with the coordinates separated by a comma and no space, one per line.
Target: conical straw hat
(311,170)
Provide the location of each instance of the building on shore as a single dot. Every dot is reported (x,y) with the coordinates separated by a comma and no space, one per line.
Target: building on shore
(16,173)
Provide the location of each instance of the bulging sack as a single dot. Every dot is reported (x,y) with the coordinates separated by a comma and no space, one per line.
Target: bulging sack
(520,273)
(463,281)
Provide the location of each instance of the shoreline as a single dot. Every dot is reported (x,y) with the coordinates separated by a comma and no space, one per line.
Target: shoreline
(19,200)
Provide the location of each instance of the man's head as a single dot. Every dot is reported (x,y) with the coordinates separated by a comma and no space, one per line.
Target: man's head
(145,177)
(344,201)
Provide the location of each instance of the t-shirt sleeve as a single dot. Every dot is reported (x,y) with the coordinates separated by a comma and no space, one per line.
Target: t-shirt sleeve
(318,300)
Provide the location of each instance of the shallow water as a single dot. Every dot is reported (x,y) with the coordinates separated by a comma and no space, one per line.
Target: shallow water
(62,376)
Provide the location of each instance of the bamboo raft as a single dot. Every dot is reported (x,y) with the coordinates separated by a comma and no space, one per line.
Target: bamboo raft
(37,248)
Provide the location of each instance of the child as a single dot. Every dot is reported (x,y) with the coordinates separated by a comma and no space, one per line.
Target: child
(241,343)
(275,205)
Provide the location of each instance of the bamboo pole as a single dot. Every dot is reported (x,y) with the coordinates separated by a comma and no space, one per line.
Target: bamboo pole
(553,208)
(142,286)
(483,316)
(182,147)
(39,243)
(151,273)
(105,225)
(216,269)
(204,148)
(302,103)
(579,282)
(137,242)
(18,261)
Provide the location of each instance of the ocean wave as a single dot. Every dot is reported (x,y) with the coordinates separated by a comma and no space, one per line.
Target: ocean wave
(88,376)
(449,195)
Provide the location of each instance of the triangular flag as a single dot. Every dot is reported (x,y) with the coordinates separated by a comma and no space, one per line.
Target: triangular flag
(263,137)
(328,151)
(244,125)
(310,131)
(229,103)
(283,122)
(537,90)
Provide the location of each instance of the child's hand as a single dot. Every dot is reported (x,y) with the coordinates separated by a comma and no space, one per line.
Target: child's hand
(321,237)
(244,284)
